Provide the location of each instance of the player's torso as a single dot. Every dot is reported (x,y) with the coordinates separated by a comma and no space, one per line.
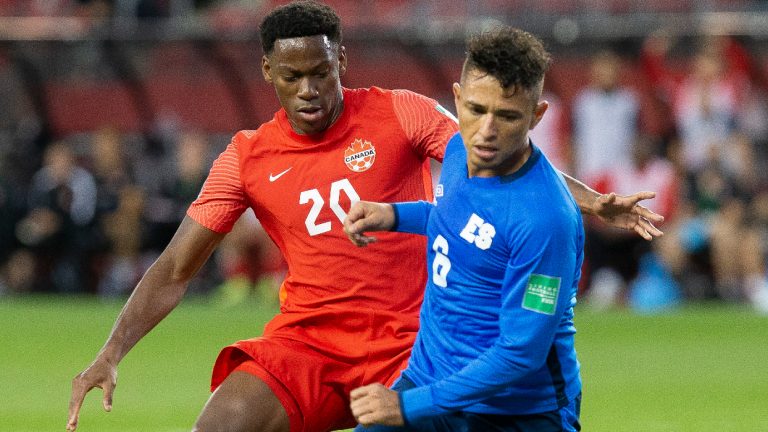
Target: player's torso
(472,247)
(467,256)
(301,191)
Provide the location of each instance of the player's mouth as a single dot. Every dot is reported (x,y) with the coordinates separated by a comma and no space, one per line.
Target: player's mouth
(484,152)
(310,114)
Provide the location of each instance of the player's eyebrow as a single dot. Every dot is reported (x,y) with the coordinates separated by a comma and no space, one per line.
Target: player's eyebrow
(290,69)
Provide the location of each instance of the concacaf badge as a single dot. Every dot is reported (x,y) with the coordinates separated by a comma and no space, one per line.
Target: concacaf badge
(359,156)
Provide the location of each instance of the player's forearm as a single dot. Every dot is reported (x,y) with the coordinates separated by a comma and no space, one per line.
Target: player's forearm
(153,299)
(482,378)
(412,217)
(161,288)
(584,195)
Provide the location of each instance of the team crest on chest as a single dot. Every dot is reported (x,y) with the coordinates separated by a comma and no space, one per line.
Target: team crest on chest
(359,156)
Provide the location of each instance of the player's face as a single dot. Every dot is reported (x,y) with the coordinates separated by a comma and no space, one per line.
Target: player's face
(494,123)
(306,74)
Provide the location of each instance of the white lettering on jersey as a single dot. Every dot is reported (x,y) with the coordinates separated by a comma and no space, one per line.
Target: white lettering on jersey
(318,202)
(478,232)
(441,264)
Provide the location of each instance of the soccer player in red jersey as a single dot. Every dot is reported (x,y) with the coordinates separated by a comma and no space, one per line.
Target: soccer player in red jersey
(348,316)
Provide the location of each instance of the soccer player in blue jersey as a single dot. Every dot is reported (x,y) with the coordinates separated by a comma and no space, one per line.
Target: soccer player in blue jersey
(495,348)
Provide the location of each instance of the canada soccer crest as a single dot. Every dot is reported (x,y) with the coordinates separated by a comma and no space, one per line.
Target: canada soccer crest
(359,156)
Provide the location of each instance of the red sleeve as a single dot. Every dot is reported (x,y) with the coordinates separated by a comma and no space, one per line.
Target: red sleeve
(221,200)
(427,124)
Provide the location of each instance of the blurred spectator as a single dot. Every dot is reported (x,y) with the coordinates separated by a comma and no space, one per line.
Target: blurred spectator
(613,255)
(708,95)
(172,175)
(17,274)
(62,204)
(192,164)
(605,121)
(110,169)
(119,209)
(124,230)
(705,108)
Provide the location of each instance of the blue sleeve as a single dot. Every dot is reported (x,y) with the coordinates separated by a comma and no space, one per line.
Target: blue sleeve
(412,217)
(527,328)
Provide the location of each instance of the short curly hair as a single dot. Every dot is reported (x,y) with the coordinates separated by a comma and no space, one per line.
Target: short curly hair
(299,19)
(513,56)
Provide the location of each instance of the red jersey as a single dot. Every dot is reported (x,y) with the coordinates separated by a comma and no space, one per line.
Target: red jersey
(301,186)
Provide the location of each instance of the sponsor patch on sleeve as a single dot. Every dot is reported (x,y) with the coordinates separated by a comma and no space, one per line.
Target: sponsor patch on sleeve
(541,294)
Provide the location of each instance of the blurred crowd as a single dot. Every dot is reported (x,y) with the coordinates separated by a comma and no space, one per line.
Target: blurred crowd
(694,131)
(88,212)
(100,206)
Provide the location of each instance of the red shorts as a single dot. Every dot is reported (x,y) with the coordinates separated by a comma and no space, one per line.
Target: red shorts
(312,361)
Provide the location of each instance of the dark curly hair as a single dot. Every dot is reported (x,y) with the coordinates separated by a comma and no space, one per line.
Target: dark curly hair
(512,56)
(298,19)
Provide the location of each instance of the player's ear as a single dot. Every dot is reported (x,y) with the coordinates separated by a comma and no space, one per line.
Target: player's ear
(342,60)
(266,69)
(538,113)
(456,94)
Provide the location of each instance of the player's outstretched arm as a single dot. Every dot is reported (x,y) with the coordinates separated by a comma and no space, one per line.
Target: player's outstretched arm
(155,296)
(620,211)
(367,216)
(376,404)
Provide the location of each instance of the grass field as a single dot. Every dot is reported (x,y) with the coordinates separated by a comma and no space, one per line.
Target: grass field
(702,368)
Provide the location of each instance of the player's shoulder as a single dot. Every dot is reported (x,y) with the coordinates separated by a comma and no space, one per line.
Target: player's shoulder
(246,137)
(554,201)
(383,93)
(455,146)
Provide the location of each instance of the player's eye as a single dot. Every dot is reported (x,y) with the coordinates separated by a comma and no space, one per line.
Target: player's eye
(474,109)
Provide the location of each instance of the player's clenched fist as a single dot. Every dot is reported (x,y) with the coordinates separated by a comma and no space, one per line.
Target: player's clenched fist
(367,216)
(376,404)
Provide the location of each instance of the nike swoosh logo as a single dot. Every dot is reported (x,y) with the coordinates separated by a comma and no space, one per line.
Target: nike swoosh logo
(275,177)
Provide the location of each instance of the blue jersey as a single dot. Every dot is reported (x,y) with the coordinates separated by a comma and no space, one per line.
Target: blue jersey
(504,258)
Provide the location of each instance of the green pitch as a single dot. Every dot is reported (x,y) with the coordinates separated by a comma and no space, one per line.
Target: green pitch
(703,368)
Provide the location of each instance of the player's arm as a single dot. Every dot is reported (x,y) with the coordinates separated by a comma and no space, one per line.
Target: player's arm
(620,211)
(365,216)
(155,296)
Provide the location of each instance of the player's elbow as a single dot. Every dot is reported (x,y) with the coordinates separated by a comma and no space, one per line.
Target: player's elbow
(518,362)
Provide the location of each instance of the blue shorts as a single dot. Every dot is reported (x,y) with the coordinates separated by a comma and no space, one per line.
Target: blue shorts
(565,419)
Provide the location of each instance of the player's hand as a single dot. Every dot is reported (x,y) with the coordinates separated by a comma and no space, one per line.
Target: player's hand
(624,212)
(376,404)
(101,374)
(367,216)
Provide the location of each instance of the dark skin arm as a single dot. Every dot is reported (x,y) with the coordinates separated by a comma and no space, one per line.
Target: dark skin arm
(156,295)
(618,211)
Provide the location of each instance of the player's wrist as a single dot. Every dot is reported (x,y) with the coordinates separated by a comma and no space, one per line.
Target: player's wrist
(593,206)
(110,355)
